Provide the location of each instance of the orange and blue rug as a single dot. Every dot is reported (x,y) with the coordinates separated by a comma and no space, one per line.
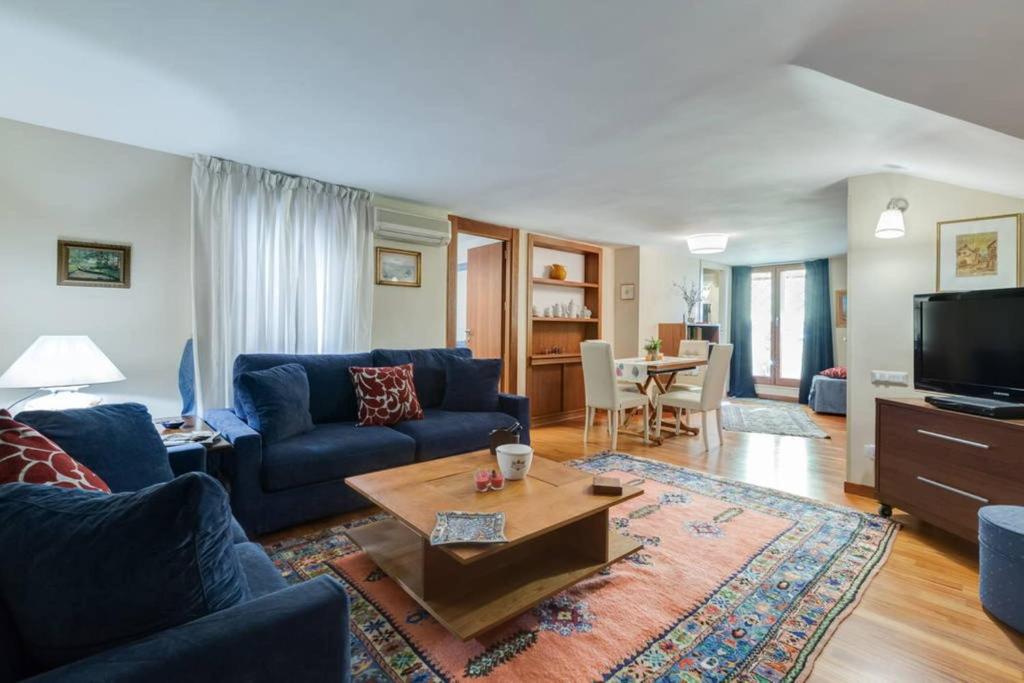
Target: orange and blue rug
(734,583)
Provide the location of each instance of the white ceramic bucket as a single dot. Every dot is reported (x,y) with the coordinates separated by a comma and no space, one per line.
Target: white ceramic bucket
(515,459)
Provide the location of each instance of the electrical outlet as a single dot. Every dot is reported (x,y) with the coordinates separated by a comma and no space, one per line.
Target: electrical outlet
(869,451)
(891,377)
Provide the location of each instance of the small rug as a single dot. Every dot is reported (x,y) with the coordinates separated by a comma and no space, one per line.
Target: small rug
(769,417)
(734,582)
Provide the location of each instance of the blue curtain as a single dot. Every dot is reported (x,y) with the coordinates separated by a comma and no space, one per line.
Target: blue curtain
(817,324)
(741,368)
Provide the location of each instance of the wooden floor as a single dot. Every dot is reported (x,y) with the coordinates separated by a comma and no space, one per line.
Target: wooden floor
(919,620)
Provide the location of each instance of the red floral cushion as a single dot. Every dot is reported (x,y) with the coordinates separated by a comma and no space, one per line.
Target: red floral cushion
(386,395)
(838,372)
(29,457)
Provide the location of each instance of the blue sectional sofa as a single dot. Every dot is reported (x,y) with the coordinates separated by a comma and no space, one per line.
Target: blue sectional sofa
(301,478)
(299,631)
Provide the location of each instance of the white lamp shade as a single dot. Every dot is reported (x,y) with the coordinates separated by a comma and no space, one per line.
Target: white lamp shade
(890,225)
(60,361)
(707,243)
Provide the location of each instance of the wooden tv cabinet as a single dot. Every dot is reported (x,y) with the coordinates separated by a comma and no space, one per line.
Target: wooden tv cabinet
(941,466)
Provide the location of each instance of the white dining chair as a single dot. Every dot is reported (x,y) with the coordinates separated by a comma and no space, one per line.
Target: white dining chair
(692,379)
(708,398)
(603,392)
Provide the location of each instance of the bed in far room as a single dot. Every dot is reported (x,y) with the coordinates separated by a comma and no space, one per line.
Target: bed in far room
(828,392)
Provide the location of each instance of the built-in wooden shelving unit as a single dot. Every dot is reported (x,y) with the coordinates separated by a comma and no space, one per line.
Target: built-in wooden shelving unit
(554,379)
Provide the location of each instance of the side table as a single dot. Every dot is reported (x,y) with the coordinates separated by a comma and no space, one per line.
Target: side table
(216,448)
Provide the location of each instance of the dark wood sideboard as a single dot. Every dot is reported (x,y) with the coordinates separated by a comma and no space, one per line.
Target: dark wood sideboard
(941,466)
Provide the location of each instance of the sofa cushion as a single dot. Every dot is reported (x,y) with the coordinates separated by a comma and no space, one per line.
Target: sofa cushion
(29,457)
(260,573)
(428,369)
(117,441)
(442,432)
(386,395)
(471,384)
(276,401)
(331,397)
(331,452)
(85,571)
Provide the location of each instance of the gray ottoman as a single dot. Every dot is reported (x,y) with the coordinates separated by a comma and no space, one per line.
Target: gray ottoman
(827,395)
(1001,553)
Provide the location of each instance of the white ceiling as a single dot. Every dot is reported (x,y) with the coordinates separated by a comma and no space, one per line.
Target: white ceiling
(616,121)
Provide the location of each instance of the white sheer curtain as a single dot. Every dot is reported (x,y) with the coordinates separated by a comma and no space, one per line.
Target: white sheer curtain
(280,264)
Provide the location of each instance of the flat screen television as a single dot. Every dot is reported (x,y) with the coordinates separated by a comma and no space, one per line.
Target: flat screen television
(970,343)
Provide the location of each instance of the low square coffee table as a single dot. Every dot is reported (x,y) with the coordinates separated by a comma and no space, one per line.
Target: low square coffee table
(557,531)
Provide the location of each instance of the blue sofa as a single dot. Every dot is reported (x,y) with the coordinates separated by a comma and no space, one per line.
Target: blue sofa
(299,631)
(302,478)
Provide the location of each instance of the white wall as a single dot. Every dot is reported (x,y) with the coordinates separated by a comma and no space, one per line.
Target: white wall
(837,281)
(882,278)
(412,317)
(60,185)
(627,313)
(659,301)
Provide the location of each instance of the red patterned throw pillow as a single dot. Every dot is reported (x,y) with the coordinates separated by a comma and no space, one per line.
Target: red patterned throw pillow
(29,457)
(386,395)
(838,372)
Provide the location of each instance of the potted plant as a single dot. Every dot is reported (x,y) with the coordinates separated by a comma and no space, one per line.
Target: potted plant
(653,348)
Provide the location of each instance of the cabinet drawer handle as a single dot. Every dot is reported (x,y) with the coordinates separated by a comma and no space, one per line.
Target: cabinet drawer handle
(953,490)
(954,439)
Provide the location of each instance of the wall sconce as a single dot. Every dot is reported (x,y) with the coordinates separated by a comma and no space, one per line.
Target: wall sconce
(890,223)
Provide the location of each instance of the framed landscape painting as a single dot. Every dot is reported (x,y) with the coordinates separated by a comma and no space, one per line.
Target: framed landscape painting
(978,253)
(91,264)
(398,267)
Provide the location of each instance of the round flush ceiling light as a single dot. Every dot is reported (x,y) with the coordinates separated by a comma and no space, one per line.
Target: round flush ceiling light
(707,243)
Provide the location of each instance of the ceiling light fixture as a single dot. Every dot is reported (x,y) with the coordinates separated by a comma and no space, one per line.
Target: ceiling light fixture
(890,223)
(707,243)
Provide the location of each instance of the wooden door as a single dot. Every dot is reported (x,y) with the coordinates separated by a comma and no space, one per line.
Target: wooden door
(484,301)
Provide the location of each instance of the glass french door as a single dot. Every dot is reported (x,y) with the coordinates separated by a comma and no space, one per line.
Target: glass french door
(777,323)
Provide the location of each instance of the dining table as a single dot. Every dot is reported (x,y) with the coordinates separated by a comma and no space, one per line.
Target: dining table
(656,377)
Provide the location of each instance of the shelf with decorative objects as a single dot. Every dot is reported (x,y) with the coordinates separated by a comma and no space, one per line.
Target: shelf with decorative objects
(564,309)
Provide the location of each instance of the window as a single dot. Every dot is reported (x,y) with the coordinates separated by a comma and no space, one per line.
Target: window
(777,323)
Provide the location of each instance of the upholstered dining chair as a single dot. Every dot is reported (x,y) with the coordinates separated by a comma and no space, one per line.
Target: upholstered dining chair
(708,398)
(692,348)
(603,392)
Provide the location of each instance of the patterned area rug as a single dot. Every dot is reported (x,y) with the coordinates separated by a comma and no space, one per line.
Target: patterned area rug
(734,582)
(769,417)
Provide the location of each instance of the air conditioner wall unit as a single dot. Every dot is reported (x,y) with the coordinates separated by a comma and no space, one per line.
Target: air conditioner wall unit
(406,227)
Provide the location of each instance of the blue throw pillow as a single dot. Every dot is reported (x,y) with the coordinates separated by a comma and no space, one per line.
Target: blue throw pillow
(471,384)
(276,401)
(83,572)
(118,442)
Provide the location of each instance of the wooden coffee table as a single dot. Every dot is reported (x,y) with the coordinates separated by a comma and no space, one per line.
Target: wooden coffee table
(557,532)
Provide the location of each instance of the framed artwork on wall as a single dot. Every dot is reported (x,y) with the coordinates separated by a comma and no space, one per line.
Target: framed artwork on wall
(627,291)
(398,267)
(978,253)
(840,308)
(92,264)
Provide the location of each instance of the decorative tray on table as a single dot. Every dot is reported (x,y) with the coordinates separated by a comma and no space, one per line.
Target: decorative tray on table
(468,527)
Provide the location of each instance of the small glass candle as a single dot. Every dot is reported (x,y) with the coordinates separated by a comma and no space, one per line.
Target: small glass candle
(497,480)
(482,480)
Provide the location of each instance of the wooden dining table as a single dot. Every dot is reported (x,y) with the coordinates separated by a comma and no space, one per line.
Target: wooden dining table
(661,374)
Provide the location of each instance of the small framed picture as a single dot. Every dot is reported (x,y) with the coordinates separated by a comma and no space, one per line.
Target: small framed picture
(627,291)
(398,268)
(91,264)
(978,253)
(840,308)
